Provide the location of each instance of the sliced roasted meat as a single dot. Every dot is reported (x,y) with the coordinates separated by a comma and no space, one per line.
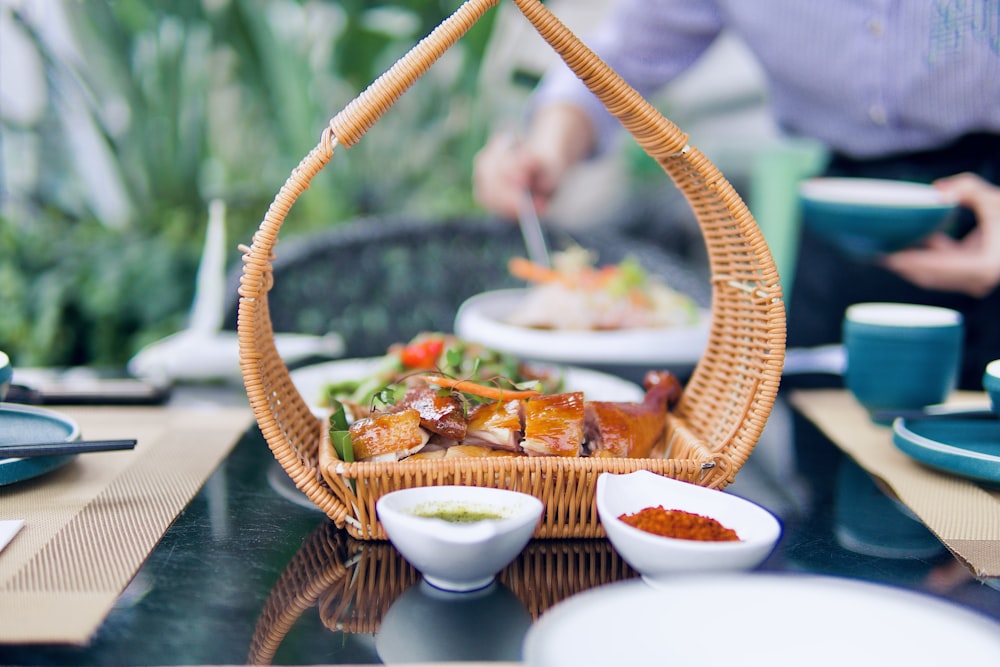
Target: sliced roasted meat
(632,430)
(553,424)
(476,451)
(666,382)
(461,451)
(496,425)
(628,430)
(388,436)
(424,454)
(441,414)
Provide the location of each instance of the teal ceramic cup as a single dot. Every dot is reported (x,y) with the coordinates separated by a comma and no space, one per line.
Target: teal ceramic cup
(6,375)
(991,383)
(901,356)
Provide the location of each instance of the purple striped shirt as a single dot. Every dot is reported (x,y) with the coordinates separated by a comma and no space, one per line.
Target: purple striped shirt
(865,77)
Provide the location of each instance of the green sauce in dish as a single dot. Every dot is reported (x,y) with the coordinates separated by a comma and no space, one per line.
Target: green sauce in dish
(457,512)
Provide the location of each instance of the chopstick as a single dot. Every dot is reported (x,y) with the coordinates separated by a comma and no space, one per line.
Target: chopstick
(63,448)
(531,229)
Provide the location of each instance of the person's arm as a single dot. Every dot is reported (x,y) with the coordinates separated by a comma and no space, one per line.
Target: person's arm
(648,42)
(970,265)
(508,168)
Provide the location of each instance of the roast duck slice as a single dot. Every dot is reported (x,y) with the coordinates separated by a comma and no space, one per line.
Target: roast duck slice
(632,430)
(426,423)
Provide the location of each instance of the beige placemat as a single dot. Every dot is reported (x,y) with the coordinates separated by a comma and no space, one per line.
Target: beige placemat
(964,515)
(90,525)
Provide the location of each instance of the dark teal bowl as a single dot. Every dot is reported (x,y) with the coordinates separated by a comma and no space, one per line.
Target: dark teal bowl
(865,217)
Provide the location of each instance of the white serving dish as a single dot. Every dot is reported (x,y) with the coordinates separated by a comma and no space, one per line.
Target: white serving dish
(759,619)
(658,558)
(459,556)
(483,319)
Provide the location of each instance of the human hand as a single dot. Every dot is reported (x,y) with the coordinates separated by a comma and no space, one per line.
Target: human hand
(506,168)
(970,265)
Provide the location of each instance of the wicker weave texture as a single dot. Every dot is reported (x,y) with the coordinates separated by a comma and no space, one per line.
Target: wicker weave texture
(725,404)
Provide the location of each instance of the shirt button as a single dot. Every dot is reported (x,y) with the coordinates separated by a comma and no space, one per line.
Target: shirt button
(876,113)
(875,27)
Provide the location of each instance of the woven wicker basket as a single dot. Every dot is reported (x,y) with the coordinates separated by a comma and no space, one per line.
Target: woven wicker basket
(725,403)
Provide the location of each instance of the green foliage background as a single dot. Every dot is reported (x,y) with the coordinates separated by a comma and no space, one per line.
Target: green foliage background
(200,99)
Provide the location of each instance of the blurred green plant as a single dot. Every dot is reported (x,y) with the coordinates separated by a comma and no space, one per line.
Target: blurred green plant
(155,108)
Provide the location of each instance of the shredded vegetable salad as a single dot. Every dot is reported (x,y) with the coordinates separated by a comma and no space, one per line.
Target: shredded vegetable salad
(452,360)
(575,294)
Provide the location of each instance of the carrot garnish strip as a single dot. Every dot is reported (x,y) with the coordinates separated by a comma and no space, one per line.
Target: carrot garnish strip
(476,389)
(531,272)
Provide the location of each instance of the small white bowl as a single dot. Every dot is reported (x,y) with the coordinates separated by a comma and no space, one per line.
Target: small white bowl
(657,558)
(459,556)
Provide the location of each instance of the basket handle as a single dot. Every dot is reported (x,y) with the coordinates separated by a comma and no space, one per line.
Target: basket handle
(364,111)
(346,128)
(655,134)
(659,137)
(730,394)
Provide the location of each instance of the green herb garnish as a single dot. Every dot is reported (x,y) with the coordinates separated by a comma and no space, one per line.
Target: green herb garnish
(340,436)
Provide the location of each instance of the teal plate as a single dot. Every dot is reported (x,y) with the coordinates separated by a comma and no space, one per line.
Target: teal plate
(965,447)
(25,424)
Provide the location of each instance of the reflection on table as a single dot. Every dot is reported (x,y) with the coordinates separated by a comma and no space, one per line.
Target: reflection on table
(367,588)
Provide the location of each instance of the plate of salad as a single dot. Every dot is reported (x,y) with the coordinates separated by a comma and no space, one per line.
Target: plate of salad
(579,313)
(359,381)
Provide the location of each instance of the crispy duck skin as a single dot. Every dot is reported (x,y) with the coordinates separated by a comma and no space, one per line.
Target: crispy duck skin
(632,430)
(666,382)
(477,451)
(388,436)
(462,451)
(496,425)
(424,455)
(553,424)
(627,430)
(438,414)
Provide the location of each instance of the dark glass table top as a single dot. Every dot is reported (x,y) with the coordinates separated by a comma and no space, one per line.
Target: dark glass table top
(251,572)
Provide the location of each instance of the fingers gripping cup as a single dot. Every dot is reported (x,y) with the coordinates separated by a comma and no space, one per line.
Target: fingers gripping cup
(901,356)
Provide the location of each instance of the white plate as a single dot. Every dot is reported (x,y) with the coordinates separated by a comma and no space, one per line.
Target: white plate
(310,380)
(759,619)
(482,319)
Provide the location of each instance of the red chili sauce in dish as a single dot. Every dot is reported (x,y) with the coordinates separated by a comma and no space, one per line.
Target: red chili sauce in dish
(680,524)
